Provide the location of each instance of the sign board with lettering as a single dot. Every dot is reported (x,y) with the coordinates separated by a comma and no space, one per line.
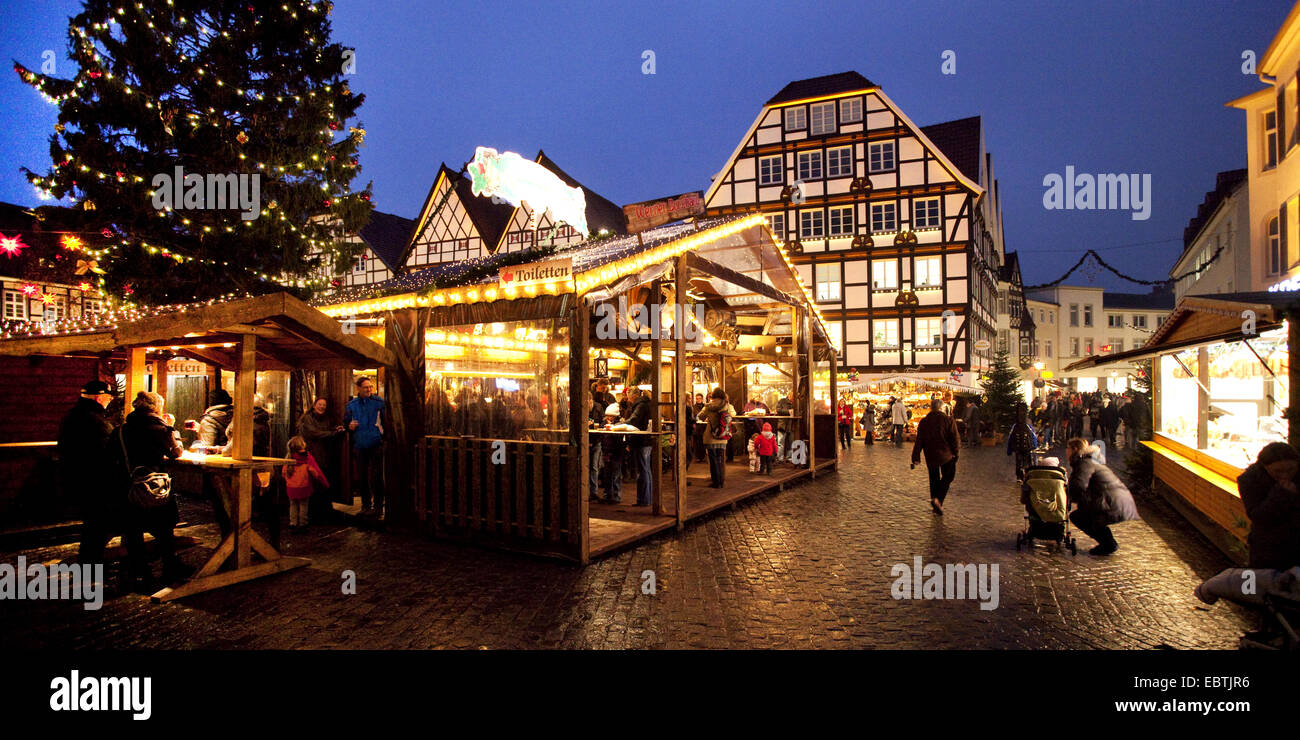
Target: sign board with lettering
(536,273)
(652,213)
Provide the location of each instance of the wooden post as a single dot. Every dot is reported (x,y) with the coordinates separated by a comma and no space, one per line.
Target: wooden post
(136,363)
(241,448)
(1293,372)
(656,418)
(835,403)
(1203,398)
(579,439)
(685,419)
(810,385)
(160,375)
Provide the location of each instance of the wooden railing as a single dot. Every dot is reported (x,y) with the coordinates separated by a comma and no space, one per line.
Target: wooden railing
(504,490)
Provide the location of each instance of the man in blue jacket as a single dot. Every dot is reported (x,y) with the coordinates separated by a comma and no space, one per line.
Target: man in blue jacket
(365,420)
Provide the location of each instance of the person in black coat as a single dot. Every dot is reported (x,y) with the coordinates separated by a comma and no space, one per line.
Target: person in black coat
(82,462)
(212,438)
(1268,491)
(146,441)
(1101,498)
(642,447)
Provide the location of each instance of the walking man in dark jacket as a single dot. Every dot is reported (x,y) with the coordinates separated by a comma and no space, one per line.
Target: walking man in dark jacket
(82,461)
(1101,498)
(936,436)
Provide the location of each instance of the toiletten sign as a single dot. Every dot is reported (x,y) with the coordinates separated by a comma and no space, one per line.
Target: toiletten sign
(536,273)
(652,213)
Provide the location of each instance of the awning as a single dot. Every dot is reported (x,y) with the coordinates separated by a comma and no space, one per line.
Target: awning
(1204,319)
(864,384)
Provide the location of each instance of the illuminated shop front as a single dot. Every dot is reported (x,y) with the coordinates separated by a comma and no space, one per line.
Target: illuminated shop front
(1221,383)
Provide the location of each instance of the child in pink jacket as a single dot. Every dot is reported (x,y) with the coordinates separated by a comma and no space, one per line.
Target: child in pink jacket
(300,480)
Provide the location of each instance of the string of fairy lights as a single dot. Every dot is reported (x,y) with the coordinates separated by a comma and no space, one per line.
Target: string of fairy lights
(94,74)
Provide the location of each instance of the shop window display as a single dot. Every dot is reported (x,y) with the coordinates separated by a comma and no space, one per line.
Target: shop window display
(1243,400)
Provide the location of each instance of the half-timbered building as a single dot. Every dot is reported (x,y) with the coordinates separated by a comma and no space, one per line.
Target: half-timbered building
(891,222)
(456,225)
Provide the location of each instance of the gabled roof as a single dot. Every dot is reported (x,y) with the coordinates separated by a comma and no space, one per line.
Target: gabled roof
(491,219)
(959,141)
(815,87)
(387,236)
(601,213)
(1010,270)
(1225,184)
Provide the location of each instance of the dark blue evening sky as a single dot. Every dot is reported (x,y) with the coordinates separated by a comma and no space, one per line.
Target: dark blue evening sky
(1106,87)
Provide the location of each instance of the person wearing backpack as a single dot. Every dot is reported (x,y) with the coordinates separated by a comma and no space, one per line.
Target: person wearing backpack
(717,416)
(1021,441)
(145,441)
(300,481)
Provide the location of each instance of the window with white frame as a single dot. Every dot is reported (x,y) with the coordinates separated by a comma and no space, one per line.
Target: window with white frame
(884,217)
(796,118)
(827,276)
(884,334)
(1047,346)
(841,220)
(851,110)
(1274,248)
(770,170)
(810,165)
(1074,346)
(839,161)
(1114,320)
(1270,139)
(1074,314)
(823,118)
(882,156)
(929,333)
(15,305)
(91,306)
(925,213)
(776,222)
(1087,314)
(812,224)
(1087,347)
(927,272)
(884,274)
(836,331)
(359,266)
(1139,321)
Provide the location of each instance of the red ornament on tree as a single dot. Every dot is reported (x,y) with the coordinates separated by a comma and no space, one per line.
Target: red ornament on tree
(95,74)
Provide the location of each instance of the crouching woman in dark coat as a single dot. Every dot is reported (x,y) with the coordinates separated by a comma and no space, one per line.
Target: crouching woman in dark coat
(1101,498)
(146,441)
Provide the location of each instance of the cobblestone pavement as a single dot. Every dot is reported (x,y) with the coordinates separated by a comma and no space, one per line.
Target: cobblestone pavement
(806,568)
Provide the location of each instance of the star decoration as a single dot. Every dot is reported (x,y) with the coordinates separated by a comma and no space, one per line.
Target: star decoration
(72,242)
(12,245)
(242,138)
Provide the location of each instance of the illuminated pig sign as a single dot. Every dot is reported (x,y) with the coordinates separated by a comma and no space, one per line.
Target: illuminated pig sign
(521,182)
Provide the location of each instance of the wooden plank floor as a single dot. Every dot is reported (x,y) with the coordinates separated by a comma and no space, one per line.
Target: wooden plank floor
(613,526)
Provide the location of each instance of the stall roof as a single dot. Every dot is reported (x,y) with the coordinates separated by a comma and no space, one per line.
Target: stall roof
(865,383)
(1198,319)
(736,258)
(290,335)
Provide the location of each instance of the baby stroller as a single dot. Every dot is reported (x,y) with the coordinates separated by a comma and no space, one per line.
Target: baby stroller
(1046,507)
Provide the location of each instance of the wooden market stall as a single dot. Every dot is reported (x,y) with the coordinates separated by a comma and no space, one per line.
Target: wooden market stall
(1222,379)
(500,353)
(270,332)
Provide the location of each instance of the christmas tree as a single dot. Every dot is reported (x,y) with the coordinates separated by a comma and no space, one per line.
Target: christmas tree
(1001,393)
(206,145)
